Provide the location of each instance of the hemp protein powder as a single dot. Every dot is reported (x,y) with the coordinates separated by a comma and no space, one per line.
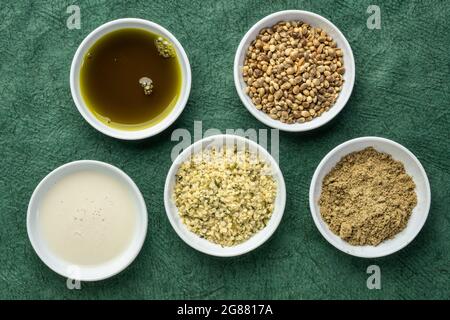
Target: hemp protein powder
(367,197)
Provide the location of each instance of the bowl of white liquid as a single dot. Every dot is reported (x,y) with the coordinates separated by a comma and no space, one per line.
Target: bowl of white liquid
(87,220)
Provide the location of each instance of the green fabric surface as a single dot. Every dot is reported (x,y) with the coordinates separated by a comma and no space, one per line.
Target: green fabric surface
(401,93)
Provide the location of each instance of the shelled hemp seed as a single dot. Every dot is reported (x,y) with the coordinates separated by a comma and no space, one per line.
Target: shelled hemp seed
(293,71)
(367,197)
(147,85)
(225,195)
(165,48)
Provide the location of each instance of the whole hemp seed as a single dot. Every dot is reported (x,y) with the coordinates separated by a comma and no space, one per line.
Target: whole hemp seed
(293,71)
(367,197)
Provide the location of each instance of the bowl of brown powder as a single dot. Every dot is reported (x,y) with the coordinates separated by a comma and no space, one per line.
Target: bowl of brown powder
(369,197)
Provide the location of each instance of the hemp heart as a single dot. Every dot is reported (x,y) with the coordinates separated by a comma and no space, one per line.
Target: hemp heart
(367,197)
(225,195)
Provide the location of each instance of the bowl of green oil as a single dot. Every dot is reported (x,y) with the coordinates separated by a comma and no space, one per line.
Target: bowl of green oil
(130,79)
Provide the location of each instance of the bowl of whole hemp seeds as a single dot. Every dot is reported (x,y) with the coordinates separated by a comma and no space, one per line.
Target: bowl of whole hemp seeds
(369,197)
(225,195)
(294,70)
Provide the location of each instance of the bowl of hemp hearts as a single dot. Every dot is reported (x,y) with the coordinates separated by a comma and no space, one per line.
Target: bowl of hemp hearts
(225,195)
(294,70)
(369,197)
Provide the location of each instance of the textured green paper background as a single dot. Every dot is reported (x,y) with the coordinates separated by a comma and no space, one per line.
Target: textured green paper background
(401,92)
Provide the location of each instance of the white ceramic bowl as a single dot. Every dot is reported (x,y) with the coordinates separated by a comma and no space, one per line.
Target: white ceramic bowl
(62,267)
(204,245)
(316,21)
(412,167)
(78,61)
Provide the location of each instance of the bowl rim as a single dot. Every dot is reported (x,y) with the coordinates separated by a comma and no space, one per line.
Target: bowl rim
(316,215)
(143,133)
(264,118)
(174,216)
(135,246)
